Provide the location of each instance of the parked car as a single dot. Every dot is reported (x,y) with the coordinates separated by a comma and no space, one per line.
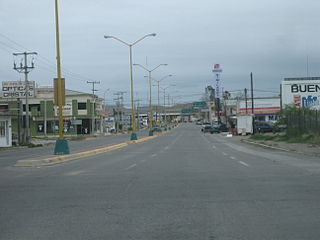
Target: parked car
(205,124)
(262,127)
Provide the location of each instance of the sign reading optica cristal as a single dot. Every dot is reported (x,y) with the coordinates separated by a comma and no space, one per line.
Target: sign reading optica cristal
(302,92)
(18,89)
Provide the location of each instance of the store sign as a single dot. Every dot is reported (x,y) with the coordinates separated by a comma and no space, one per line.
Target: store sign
(76,122)
(66,110)
(18,89)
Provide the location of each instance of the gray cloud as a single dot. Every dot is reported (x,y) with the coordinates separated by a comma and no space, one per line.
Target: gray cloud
(270,38)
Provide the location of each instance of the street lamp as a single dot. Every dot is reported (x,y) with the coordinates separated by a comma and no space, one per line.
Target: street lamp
(150,102)
(130,45)
(164,103)
(158,84)
(62,146)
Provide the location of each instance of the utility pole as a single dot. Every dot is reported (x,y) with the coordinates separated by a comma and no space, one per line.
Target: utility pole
(137,111)
(252,103)
(119,103)
(25,68)
(93,105)
(246,99)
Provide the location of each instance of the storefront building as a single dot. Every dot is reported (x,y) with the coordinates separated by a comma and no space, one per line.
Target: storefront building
(264,109)
(79,112)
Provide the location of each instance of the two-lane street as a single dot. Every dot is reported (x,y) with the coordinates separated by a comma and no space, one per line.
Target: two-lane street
(180,185)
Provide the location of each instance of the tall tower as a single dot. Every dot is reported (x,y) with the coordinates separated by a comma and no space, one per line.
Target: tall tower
(217,71)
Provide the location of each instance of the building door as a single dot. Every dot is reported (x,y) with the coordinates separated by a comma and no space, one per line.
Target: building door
(4,134)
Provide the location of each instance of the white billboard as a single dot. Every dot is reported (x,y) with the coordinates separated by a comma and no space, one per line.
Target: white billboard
(302,92)
(17,89)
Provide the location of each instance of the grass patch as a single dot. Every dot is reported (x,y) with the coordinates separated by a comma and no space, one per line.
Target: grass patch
(306,138)
(263,137)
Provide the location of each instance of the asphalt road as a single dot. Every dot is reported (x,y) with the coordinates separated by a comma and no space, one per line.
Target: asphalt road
(182,185)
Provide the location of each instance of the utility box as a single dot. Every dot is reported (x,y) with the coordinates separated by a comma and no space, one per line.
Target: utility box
(245,124)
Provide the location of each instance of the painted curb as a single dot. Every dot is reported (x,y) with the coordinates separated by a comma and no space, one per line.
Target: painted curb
(65,158)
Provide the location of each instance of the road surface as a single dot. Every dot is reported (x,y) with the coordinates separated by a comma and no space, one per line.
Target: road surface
(181,185)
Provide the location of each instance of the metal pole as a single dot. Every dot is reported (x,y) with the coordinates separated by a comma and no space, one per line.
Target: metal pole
(158,118)
(150,104)
(59,80)
(45,118)
(281,97)
(252,103)
(164,105)
(27,128)
(19,121)
(133,134)
(246,99)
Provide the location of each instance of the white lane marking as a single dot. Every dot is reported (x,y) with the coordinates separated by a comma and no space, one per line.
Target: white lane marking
(132,166)
(73,173)
(214,147)
(154,155)
(224,154)
(244,164)
(232,157)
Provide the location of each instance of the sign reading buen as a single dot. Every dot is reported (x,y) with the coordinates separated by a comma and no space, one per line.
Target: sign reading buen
(18,89)
(302,92)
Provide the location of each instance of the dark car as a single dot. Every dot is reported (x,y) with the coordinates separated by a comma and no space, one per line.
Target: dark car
(211,129)
(262,127)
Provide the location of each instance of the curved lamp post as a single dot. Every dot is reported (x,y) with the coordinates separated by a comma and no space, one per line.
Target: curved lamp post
(158,84)
(164,104)
(130,45)
(150,102)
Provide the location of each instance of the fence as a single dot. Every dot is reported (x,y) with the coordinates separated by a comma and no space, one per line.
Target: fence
(303,121)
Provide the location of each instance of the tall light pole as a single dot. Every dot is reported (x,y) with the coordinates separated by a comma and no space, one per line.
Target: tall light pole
(158,83)
(62,146)
(164,103)
(130,45)
(150,101)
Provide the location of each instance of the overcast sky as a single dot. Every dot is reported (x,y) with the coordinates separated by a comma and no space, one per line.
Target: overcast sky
(271,38)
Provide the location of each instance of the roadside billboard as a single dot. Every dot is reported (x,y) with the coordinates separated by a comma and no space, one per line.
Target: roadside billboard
(17,89)
(302,92)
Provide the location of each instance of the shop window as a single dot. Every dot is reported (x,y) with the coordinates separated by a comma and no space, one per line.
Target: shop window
(82,106)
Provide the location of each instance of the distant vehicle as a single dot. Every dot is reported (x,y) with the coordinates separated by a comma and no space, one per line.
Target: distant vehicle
(199,122)
(205,124)
(210,129)
(244,124)
(262,127)
(223,128)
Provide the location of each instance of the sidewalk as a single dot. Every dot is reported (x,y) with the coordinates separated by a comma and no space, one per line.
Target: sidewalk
(299,148)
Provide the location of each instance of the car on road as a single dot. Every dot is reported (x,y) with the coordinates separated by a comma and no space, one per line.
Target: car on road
(211,129)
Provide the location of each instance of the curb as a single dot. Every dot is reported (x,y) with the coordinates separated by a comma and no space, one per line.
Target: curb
(268,146)
(66,158)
